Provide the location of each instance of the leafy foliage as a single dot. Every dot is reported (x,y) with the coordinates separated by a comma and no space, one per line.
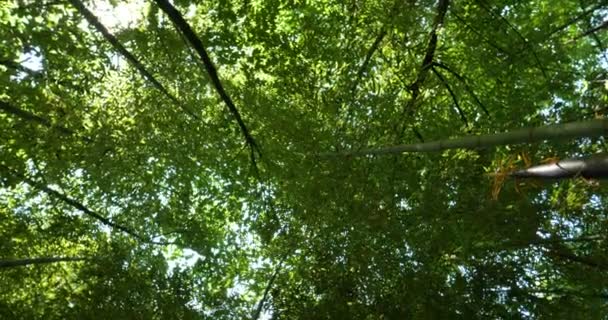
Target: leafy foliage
(192,187)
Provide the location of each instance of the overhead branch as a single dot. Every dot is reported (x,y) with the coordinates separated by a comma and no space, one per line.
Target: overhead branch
(523,39)
(442,8)
(572,21)
(182,25)
(79,206)
(592,31)
(138,65)
(44,260)
(463,117)
(571,130)
(464,81)
(17,66)
(368,58)
(479,34)
(429,54)
(26,115)
(260,306)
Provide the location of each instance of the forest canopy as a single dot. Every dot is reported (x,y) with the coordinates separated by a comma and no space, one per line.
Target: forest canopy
(226,159)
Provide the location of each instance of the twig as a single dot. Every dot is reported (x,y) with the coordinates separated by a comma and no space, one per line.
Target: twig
(463,117)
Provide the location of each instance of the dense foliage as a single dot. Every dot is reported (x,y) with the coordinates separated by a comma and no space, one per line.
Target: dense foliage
(171,167)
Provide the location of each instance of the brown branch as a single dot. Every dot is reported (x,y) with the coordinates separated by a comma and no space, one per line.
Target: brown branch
(572,21)
(44,260)
(442,8)
(17,66)
(182,25)
(92,19)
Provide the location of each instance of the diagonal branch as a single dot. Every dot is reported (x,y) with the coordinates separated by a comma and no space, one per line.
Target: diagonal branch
(16,66)
(182,25)
(368,57)
(260,307)
(464,81)
(442,8)
(79,206)
(591,31)
(463,117)
(92,19)
(44,260)
(26,115)
(571,130)
(525,41)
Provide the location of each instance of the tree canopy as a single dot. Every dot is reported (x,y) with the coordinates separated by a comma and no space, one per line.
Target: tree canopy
(224,159)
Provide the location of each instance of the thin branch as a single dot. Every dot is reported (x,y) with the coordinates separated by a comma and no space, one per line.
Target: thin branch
(26,115)
(17,66)
(182,25)
(525,41)
(368,57)
(591,31)
(260,307)
(463,117)
(464,81)
(588,128)
(43,260)
(572,21)
(94,21)
(484,38)
(79,206)
(442,8)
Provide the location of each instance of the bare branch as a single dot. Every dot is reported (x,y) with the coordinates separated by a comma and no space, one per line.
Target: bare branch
(26,115)
(368,57)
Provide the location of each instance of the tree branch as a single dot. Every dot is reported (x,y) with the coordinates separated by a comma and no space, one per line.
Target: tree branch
(525,41)
(43,260)
(258,310)
(464,81)
(92,19)
(463,117)
(589,128)
(368,57)
(182,25)
(79,206)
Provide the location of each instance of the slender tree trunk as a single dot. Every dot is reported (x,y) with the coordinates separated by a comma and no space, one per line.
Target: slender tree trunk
(589,128)
(44,260)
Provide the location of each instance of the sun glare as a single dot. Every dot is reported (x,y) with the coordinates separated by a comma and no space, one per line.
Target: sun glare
(123,15)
